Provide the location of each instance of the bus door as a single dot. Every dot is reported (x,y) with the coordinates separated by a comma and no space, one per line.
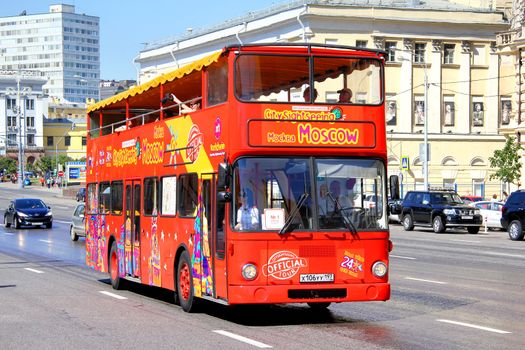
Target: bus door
(212,219)
(132,228)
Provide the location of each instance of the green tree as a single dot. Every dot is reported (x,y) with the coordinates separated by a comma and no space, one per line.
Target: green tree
(506,162)
(9,165)
(45,163)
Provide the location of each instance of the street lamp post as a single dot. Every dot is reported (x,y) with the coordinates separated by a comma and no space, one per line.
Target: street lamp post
(425,120)
(19,116)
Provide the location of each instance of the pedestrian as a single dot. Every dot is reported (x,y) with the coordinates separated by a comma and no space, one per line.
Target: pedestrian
(504,197)
(42,181)
(494,198)
(48,181)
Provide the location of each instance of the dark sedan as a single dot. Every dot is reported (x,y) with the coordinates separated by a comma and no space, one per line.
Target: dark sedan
(28,212)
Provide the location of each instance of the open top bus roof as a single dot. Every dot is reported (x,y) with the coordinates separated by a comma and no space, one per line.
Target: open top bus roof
(118,101)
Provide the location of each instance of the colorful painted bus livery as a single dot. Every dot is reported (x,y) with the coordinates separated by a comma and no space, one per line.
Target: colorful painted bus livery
(220,181)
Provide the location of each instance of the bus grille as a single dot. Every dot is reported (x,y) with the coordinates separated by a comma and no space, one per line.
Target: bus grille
(317,251)
(317,293)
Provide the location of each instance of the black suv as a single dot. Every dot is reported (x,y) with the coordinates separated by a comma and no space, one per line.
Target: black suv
(513,215)
(439,209)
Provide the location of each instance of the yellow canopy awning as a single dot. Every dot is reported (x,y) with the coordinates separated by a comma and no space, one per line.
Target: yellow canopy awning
(176,74)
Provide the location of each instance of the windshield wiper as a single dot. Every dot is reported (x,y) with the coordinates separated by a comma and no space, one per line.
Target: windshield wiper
(287,225)
(346,219)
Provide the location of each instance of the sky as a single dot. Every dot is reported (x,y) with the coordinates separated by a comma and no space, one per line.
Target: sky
(125,25)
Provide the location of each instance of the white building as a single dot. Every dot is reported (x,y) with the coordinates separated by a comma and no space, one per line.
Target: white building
(62,44)
(23,105)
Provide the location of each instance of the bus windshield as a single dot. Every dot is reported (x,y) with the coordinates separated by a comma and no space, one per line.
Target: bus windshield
(309,193)
(341,80)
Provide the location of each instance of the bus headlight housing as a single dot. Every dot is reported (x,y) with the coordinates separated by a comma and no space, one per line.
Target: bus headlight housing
(379,269)
(249,272)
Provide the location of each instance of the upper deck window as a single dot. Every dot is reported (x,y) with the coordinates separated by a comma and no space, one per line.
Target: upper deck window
(278,78)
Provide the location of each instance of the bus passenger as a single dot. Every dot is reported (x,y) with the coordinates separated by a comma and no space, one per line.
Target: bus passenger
(247,215)
(306,94)
(345,95)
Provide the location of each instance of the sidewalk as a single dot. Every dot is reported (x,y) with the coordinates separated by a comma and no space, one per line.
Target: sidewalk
(55,191)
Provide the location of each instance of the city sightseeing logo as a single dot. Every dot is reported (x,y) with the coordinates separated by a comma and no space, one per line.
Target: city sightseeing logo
(284,265)
(195,141)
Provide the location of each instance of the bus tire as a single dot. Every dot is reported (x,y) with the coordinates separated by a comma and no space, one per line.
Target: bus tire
(116,281)
(185,283)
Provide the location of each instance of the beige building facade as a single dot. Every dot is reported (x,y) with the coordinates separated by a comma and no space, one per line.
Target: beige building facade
(443,76)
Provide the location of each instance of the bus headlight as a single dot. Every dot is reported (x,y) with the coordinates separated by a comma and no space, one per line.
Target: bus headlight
(249,272)
(379,269)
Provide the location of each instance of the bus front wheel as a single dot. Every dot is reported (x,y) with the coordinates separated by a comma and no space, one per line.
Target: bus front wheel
(184,283)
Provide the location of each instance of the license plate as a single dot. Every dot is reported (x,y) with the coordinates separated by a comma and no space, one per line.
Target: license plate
(37,223)
(467,217)
(317,277)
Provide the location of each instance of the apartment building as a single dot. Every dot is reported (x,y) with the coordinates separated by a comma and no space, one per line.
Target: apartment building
(62,44)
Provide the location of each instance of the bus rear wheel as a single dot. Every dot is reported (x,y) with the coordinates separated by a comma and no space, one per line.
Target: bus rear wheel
(184,283)
(116,281)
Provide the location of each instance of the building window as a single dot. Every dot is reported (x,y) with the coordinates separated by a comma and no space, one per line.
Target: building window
(330,41)
(448,55)
(478,55)
(11,103)
(449,110)
(67,141)
(84,141)
(478,187)
(449,184)
(419,53)
(390,47)
(477,111)
(31,139)
(506,109)
(30,121)
(360,43)
(30,104)
(11,121)
(50,140)
(419,110)
(11,140)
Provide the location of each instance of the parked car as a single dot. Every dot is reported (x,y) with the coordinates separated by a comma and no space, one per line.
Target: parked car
(28,212)
(491,213)
(439,209)
(513,215)
(471,199)
(81,194)
(78,227)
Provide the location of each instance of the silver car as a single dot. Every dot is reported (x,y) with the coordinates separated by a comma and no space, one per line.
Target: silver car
(78,227)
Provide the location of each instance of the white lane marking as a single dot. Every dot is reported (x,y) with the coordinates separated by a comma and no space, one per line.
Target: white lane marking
(422,280)
(116,296)
(58,207)
(464,240)
(402,257)
(244,339)
(521,256)
(45,241)
(62,222)
(488,329)
(8,233)
(33,270)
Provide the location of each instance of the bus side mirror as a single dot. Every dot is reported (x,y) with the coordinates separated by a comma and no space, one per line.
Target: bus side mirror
(224,197)
(223,180)
(394,187)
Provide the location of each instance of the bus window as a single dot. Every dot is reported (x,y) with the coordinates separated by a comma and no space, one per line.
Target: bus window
(187,195)
(168,196)
(271,78)
(92,203)
(116,197)
(151,196)
(217,83)
(104,200)
(347,80)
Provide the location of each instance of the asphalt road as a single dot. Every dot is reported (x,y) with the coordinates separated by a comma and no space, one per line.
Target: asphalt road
(449,291)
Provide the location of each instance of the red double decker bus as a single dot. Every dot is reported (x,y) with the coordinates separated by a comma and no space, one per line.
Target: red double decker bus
(254,175)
